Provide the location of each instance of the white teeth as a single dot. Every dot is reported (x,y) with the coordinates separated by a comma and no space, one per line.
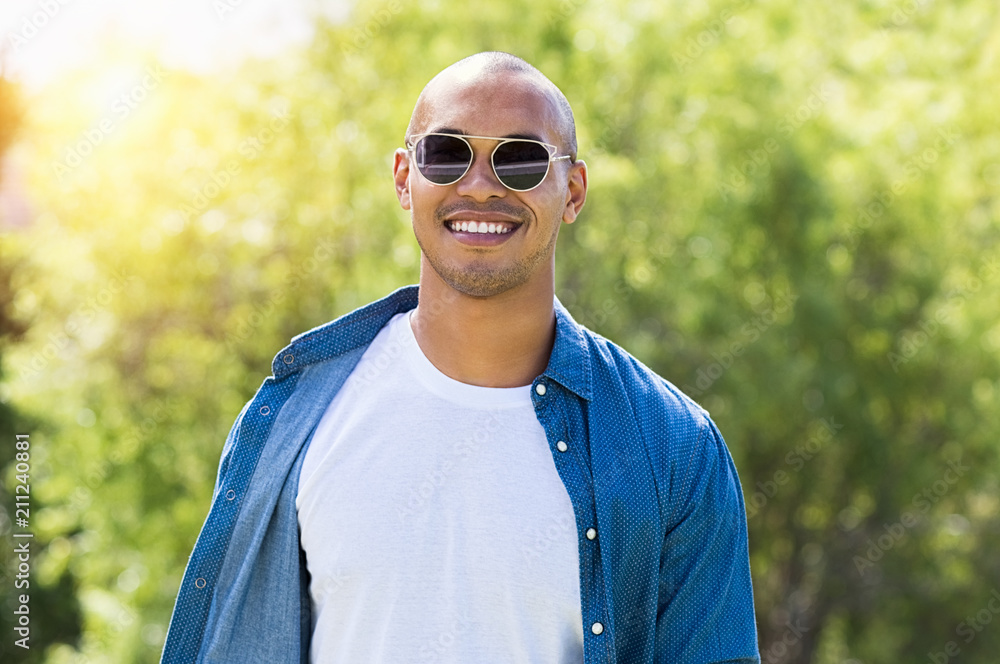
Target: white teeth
(481,227)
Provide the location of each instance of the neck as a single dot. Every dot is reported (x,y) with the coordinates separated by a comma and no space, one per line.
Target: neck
(499,341)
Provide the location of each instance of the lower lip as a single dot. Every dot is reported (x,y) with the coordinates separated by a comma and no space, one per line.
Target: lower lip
(482,239)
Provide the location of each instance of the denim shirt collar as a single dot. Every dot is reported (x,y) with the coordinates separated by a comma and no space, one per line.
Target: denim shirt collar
(569,363)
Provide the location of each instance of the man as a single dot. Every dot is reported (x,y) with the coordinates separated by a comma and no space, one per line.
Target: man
(459,472)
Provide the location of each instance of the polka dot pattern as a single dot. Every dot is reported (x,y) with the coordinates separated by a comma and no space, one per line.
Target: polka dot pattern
(661,524)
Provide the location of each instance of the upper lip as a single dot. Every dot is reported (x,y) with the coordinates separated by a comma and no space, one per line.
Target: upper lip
(488,217)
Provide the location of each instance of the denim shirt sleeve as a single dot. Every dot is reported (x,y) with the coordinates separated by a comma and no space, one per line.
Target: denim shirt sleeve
(705,612)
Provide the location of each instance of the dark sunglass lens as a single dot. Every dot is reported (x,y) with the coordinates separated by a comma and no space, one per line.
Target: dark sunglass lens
(442,159)
(521,165)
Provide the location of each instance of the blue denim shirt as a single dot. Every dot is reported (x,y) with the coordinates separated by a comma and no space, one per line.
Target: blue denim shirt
(661,524)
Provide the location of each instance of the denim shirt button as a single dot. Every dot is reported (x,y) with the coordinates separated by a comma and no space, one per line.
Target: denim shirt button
(264,410)
(540,389)
(200,583)
(288,359)
(597,628)
(562,446)
(591,533)
(230,494)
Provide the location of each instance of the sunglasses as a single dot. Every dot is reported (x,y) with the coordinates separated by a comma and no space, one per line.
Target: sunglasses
(521,164)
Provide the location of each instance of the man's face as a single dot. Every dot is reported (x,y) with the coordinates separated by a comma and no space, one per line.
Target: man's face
(487,264)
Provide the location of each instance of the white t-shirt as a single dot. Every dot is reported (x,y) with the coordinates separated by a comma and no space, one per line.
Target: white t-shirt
(435,525)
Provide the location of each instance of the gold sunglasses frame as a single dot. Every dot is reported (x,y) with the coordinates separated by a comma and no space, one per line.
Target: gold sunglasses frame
(549,148)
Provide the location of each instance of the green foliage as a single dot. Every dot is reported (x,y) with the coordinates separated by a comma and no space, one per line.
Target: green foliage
(792,216)
(52,589)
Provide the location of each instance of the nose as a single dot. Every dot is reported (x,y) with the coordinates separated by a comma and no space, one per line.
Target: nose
(480,182)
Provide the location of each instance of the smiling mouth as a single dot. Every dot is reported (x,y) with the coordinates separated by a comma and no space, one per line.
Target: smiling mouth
(496,227)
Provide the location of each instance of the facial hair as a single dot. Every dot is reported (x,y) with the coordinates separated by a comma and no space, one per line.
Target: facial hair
(483,278)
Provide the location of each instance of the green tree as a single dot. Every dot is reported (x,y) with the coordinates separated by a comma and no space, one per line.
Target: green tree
(792,216)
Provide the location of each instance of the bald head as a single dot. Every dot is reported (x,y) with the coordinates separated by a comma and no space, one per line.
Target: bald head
(492,65)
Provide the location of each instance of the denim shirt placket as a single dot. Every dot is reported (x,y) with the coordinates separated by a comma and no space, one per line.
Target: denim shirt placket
(558,411)
(198,584)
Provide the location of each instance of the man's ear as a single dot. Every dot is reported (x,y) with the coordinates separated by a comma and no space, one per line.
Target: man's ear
(401,176)
(576,191)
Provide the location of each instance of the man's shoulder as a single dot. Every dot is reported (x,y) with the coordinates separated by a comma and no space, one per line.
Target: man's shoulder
(645,409)
(649,394)
(342,334)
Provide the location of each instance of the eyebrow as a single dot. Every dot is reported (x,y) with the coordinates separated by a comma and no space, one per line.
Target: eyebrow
(459,132)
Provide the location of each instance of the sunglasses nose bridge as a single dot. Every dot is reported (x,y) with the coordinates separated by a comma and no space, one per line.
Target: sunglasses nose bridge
(481,174)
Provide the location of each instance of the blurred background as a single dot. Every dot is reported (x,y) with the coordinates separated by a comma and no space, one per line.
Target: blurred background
(793,216)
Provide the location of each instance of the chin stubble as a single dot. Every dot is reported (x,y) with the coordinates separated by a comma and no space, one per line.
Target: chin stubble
(480,279)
